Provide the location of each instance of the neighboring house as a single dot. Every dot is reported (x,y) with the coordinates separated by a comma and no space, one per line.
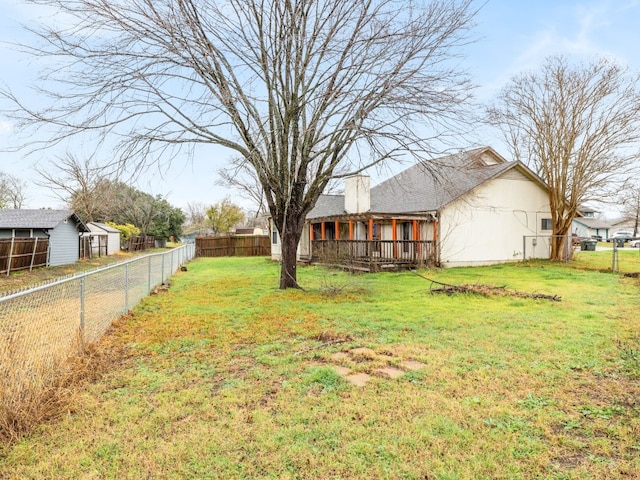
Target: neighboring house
(627,225)
(105,240)
(62,227)
(471,208)
(587,225)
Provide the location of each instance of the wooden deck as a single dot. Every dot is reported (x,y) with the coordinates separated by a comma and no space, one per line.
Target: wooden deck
(374,255)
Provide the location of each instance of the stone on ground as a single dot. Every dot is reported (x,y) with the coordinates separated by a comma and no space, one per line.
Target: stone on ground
(390,372)
(412,365)
(358,379)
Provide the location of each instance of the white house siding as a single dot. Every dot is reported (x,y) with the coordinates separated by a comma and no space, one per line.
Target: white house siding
(472,230)
(64,244)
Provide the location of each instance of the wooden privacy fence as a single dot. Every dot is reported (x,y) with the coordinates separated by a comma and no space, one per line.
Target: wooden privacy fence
(144,242)
(240,246)
(23,253)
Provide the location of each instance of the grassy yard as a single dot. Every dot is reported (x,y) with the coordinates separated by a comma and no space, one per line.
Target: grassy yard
(225,377)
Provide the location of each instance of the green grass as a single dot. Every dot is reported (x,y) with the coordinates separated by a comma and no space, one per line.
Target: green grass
(227,377)
(628,259)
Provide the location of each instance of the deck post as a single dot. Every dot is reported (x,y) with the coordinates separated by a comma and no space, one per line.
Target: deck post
(416,236)
(394,237)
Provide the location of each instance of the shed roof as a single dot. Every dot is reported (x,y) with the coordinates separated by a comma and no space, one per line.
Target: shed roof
(101,226)
(41,219)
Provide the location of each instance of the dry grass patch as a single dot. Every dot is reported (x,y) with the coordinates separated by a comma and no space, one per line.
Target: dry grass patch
(49,390)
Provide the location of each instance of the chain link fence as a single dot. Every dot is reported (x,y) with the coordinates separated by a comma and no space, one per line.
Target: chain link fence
(41,327)
(539,246)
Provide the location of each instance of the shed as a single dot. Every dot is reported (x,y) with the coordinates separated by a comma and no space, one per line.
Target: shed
(101,230)
(62,227)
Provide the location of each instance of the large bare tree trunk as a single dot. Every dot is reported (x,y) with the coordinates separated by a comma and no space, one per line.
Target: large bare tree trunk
(290,241)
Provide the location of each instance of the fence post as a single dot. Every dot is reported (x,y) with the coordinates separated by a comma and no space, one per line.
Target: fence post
(10,255)
(126,287)
(33,254)
(82,308)
(162,270)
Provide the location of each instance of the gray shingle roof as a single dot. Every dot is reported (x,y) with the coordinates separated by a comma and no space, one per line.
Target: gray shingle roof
(41,219)
(327,205)
(593,222)
(427,186)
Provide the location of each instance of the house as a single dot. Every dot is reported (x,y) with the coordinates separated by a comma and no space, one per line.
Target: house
(470,208)
(625,225)
(61,227)
(588,225)
(105,240)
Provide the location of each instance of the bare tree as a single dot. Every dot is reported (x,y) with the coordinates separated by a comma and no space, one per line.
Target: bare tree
(196,215)
(303,90)
(83,184)
(12,191)
(629,198)
(577,126)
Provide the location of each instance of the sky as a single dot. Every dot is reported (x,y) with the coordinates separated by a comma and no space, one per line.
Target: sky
(512,36)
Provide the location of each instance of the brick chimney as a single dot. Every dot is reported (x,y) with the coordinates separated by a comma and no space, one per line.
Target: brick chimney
(357,194)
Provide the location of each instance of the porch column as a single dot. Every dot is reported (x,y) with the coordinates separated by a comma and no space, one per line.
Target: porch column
(337,227)
(350,229)
(436,250)
(435,231)
(416,237)
(371,228)
(322,231)
(394,237)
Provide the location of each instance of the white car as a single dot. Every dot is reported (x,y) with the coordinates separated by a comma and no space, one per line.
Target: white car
(635,243)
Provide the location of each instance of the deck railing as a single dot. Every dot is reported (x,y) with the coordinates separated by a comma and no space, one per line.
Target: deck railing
(410,253)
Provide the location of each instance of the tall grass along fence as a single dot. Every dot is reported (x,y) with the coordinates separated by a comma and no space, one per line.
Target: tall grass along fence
(233,246)
(42,327)
(22,254)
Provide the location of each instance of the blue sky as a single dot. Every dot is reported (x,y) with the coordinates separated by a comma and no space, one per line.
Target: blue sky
(512,36)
